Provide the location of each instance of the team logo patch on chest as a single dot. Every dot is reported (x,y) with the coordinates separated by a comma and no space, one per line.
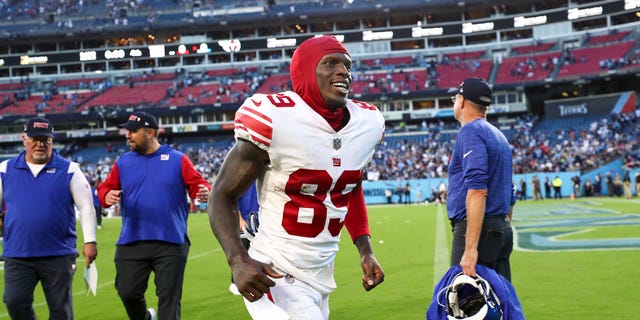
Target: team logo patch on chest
(336,161)
(289,279)
(337,143)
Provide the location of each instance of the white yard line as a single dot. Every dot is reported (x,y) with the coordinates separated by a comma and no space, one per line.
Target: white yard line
(441,257)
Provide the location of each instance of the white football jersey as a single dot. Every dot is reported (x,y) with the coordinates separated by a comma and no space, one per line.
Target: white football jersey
(305,190)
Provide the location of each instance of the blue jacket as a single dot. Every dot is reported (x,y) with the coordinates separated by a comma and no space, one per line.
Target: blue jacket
(154,194)
(40,219)
(511,308)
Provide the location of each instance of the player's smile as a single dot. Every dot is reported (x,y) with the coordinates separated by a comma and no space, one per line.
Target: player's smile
(333,75)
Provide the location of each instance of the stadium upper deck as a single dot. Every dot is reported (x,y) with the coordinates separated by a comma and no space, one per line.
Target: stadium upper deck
(103,44)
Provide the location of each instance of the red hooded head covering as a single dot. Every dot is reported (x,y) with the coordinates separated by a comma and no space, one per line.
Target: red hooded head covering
(303,75)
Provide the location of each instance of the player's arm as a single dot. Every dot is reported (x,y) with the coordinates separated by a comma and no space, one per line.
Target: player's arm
(475,167)
(371,269)
(243,164)
(357,223)
(197,186)
(82,197)
(109,190)
(476,204)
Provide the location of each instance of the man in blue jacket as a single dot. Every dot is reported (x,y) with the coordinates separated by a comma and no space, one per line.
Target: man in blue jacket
(151,183)
(40,189)
(480,180)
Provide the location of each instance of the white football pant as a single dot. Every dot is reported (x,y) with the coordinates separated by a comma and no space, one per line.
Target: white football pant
(291,300)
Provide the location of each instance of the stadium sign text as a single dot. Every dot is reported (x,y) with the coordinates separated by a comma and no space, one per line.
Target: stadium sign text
(26,60)
(631,4)
(156,51)
(477,27)
(521,21)
(370,35)
(88,55)
(114,54)
(573,109)
(279,43)
(86,133)
(418,32)
(576,13)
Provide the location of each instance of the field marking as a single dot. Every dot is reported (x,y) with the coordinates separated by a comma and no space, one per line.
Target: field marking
(108,283)
(545,227)
(441,250)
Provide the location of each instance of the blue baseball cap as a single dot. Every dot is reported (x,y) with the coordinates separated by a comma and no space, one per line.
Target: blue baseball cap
(140,119)
(38,127)
(474,89)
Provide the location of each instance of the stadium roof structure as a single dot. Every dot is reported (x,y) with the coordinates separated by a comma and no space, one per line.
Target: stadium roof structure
(94,20)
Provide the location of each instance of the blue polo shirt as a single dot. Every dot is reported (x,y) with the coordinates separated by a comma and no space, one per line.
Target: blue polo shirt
(481,159)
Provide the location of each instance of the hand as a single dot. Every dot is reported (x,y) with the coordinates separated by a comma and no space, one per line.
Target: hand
(468,262)
(243,224)
(203,193)
(372,272)
(90,252)
(112,197)
(252,278)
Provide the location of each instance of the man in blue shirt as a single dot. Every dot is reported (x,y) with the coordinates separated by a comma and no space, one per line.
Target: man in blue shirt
(480,180)
(40,190)
(151,183)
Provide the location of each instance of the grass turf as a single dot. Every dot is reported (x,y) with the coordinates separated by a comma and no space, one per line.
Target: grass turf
(568,284)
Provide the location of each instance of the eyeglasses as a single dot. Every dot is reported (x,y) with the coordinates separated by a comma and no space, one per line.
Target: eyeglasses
(453,99)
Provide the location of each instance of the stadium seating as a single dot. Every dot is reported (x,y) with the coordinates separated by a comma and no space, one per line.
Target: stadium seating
(78,83)
(534,48)
(12,86)
(123,95)
(223,72)
(59,103)
(463,56)
(587,60)
(450,75)
(533,67)
(375,82)
(194,95)
(607,38)
(153,77)
(275,83)
(393,62)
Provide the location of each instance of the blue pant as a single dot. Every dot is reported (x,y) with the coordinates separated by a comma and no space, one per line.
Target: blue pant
(21,275)
(494,247)
(134,263)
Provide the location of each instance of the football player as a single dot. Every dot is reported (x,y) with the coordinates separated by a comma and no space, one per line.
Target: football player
(307,149)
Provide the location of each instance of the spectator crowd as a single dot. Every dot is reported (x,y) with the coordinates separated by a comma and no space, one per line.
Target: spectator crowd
(426,155)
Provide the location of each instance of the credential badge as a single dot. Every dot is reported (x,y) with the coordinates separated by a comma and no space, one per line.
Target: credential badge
(337,143)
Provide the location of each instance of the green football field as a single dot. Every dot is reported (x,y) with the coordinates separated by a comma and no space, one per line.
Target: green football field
(575,259)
